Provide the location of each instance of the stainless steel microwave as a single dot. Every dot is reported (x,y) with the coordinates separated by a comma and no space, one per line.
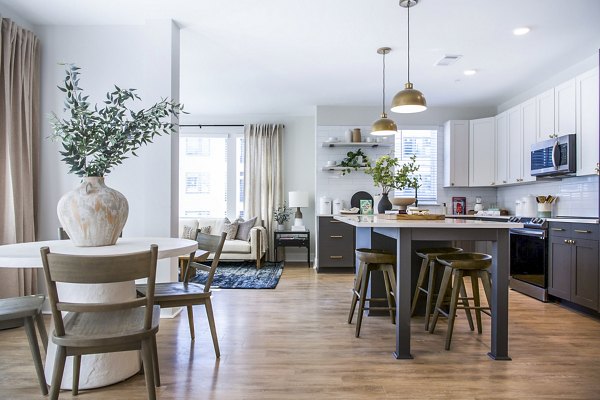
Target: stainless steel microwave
(554,156)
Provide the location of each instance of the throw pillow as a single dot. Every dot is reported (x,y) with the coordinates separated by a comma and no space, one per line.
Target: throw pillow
(243,232)
(204,229)
(230,229)
(189,231)
(218,226)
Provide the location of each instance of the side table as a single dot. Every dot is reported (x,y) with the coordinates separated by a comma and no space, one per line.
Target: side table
(292,239)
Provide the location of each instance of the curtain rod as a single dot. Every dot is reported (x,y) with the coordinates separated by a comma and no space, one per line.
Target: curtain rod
(201,125)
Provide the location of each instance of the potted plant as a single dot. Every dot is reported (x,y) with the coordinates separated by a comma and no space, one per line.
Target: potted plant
(282,214)
(388,173)
(94,140)
(353,161)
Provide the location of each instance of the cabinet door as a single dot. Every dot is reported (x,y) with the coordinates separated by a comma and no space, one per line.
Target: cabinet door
(515,145)
(502,148)
(335,243)
(584,278)
(456,153)
(559,278)
(545,114)
(587,122)
(529,129)
(482,152)
(565,110)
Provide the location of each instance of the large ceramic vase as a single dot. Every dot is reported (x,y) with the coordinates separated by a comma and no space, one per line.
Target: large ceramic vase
(93,214)
(384,204)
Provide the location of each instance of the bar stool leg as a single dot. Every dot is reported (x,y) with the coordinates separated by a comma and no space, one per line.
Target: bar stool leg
(420,280)
(458,282)
(465,302)
(476,300)
(388,292)
(487,286)
(357,282)
(363,295)
(440,298)
(430,285)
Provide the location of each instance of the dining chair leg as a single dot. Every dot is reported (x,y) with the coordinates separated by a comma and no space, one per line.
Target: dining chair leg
(148,368)
(357,282)
(458,282)
(76,370)
(155,362)
(59,367)
(190,313)
(440,298)
(213,328)
(39,319)
(35,354)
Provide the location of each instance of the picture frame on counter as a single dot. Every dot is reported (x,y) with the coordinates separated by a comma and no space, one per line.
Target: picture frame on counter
(459,205)
(366,207)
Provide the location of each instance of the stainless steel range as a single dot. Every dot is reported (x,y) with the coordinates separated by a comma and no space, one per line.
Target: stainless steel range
(529,257)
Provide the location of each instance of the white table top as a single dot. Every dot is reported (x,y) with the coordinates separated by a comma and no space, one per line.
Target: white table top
(374,221)
(27,255)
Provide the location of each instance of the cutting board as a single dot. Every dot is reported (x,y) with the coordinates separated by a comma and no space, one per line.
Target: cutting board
(413,217)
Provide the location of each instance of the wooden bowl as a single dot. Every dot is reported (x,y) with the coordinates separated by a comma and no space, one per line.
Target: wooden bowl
(402,201)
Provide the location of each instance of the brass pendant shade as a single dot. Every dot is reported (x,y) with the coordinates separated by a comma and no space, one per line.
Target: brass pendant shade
(384,126)
(408,100)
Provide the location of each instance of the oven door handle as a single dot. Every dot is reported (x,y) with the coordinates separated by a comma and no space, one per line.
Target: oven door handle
(541,234)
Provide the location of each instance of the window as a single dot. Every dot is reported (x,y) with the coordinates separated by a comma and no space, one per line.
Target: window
(423,144)
(211,172)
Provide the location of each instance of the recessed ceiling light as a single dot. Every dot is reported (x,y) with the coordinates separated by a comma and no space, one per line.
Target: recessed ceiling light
(521,31)
(469,72)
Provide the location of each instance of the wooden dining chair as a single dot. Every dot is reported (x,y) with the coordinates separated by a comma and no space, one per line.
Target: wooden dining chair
(188,294)
(28,310)
(93,328)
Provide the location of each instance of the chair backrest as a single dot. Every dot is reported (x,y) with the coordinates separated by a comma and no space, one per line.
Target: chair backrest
(98,269)
(213,244)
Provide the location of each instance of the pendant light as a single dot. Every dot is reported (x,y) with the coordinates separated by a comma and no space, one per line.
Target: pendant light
(408,100)
(383,126)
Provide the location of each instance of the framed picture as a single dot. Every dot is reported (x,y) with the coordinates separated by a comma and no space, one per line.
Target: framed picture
(459,205)
(366,207)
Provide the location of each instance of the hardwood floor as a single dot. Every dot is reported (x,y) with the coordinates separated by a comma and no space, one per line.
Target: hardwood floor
(294,343)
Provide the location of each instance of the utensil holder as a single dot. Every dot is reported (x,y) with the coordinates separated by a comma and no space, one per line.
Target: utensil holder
(544,210)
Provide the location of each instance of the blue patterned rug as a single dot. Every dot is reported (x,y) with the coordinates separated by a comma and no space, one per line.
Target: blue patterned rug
(243,275)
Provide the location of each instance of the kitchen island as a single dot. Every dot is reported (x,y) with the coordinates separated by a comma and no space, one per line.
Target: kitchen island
(406,231)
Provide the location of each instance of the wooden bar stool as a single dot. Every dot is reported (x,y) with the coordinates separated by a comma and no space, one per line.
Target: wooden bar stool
(429,268)
(474,265)
(373,260)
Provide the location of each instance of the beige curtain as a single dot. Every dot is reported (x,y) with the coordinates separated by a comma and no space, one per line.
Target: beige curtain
(263,174)
(19,136)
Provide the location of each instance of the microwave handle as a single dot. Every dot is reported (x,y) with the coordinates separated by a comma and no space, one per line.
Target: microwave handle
(555,154)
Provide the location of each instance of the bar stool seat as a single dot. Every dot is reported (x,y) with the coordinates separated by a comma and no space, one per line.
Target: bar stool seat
(458,265)
(373,260)
(429,269)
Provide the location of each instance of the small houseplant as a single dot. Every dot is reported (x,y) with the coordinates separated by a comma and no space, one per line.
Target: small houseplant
(282,214)
(353,161)
(389,173)
(95,139)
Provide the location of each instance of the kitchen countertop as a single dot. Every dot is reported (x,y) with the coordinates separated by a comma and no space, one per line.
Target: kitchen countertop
(575,220)
(374,221)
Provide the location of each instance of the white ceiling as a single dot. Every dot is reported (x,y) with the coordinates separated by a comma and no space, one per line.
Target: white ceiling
(284,56)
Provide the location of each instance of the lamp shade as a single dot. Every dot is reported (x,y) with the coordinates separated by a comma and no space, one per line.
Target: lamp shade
(384,126)
(298,199)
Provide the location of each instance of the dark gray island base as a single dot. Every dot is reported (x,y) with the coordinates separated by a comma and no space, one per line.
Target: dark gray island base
(406,232)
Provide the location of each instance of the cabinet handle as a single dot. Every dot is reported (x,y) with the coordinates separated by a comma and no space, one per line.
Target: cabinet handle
(336,236)
(567,241)
(582,231)
(336,257)
(572,242)
(334,221)
(557,229)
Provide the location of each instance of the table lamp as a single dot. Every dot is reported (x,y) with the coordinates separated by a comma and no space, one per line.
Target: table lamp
(298,199)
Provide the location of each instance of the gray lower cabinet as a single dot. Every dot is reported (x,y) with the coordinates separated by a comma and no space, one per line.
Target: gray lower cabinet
(335,243)
(574,268)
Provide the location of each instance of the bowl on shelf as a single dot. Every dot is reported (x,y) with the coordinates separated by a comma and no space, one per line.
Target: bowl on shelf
(402,201)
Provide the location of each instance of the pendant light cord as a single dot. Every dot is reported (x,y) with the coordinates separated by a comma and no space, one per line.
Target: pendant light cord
(408,40)
(383,97)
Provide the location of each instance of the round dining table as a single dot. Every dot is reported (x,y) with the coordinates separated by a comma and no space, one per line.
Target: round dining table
(99,369)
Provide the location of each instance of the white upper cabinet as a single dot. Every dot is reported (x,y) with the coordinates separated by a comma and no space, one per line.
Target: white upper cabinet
(502,148)
(456,153)
(587,122)
(545,114)
(515,145)
(482,152)
(565,109)
(529,129)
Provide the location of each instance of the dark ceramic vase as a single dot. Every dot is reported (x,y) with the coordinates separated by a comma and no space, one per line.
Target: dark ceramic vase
(384,204)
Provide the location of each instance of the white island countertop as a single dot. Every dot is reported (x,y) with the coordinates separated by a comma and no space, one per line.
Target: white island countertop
(375,221)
